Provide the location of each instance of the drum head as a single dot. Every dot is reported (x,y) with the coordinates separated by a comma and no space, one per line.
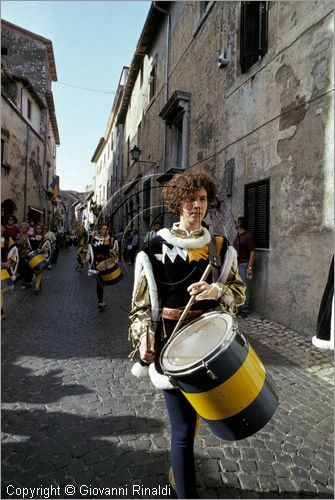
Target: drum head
(198,341)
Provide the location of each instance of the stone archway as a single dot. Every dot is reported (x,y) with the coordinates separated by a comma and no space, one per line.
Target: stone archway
(8,207)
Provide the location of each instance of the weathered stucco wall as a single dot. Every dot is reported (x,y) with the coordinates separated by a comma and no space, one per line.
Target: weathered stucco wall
(31,140)
(274,121)
(284,132)
(25,157)
(195,47)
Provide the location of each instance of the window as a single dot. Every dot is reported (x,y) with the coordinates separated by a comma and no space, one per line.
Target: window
(4,152)
(253,35)
(177,142)
(152,81)
(176,115)
(146,199)
(28,109)
(257,207)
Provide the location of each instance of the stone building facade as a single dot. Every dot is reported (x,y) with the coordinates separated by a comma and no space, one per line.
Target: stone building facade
(29,131)
(107,160)
(245,91)
(68,208)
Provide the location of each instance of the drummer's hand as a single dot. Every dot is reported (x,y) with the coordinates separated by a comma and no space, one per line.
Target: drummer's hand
(147,352)
(203,291)
(6,264)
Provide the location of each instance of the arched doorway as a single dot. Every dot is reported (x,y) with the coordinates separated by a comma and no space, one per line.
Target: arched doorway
(8,207)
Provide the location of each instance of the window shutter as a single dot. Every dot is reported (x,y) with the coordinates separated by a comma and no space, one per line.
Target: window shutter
(253,33)
(257,204)
(262,216)
(250,208)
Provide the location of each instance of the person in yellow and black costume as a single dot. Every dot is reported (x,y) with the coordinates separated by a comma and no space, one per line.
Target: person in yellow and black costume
(9,262)
(82,239)
(104,247)
(22,243)
(167,273)
(35,243)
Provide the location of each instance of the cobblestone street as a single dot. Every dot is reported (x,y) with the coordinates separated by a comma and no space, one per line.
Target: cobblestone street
(72,414)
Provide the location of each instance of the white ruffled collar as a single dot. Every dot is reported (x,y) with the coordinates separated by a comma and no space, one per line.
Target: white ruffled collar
(195,239)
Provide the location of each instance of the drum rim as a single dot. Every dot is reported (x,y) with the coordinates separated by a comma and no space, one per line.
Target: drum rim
(206,359)
(32,252)
(104,262)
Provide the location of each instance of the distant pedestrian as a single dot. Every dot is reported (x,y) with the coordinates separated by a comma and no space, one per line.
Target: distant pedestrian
(135,244)
(68,240)
(82,238)
(31,228)
(91,232)
(127,246)
(12,229)
(119,237)
(244,244)
(51,237)
(104,247)
(22,243)
(55,253)
(152,233)
(9,261)
(36,242)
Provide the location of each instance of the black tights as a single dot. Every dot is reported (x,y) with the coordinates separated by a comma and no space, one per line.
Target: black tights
(100,288)
(183,419)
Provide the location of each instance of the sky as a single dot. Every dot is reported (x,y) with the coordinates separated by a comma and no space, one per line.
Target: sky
(92,40)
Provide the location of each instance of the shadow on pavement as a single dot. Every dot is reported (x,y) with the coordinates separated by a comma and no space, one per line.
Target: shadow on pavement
(48,448)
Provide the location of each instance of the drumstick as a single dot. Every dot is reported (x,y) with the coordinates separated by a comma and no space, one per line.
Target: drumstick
(190,302)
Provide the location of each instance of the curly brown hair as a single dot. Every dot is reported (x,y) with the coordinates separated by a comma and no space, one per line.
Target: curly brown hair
(182,186)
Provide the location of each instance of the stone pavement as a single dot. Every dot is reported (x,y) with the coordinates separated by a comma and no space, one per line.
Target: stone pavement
(72,414)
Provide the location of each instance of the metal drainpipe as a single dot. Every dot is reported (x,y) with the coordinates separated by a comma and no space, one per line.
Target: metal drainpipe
(45,152)
(26,175)
(167,60)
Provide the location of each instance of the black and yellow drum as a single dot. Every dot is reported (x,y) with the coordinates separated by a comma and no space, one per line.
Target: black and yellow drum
(221,376)
(109,271)
(36,261)
(6,280)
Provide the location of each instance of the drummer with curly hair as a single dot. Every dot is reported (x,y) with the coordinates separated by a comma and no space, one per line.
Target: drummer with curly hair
(167,273)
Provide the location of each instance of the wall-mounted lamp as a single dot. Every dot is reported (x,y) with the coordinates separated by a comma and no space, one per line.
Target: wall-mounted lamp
(135,154)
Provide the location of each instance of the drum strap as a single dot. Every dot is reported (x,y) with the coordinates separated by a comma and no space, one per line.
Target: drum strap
(214,259)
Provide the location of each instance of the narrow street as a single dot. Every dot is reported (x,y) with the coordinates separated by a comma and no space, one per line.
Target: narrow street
(72,414)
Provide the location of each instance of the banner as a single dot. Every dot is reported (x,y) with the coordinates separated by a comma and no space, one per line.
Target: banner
(54,186)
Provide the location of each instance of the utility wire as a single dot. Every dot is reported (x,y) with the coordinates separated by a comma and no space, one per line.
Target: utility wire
(86,88)
(106,92)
